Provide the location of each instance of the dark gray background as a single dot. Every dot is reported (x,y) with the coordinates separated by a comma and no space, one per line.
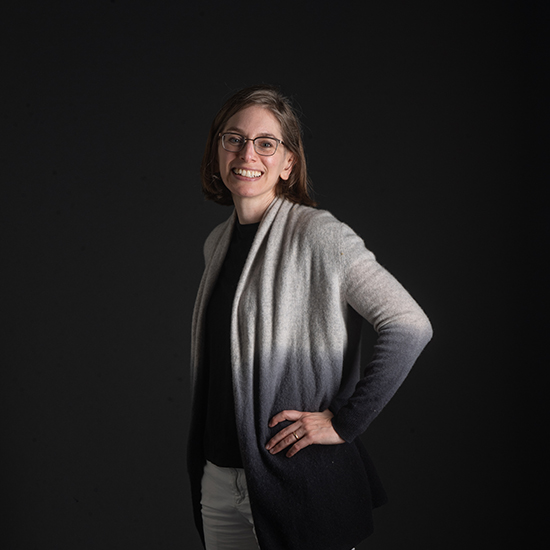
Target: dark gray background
(423,126)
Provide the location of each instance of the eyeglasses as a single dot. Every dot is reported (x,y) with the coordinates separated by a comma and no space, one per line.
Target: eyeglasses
(265,146)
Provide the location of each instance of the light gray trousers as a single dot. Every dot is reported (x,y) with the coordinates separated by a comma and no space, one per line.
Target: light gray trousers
(226,515)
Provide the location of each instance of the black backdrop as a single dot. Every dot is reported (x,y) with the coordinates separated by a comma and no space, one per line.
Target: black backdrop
(415,131)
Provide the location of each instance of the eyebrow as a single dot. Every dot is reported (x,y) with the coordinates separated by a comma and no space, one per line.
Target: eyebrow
(241,132)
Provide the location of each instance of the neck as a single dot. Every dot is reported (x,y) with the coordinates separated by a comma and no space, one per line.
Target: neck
(251,210)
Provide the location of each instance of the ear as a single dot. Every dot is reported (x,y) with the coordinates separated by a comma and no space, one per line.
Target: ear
(289,164)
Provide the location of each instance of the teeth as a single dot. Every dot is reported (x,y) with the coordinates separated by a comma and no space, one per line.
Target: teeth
(247,173)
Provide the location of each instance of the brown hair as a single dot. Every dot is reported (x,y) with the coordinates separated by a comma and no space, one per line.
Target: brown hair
(295,189)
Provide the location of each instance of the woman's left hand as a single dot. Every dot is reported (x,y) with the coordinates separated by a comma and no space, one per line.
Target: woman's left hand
(307,429)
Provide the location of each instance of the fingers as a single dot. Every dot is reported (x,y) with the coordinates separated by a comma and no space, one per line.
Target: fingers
(300,444)
(286,437)
(285,415)
(306,429)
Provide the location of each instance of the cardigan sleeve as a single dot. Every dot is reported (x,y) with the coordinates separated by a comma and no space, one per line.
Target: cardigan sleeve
(403,332)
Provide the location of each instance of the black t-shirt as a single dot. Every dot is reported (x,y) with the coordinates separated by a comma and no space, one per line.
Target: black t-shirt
(221,445)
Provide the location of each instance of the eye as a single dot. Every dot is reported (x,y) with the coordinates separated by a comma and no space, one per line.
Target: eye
(265,143)
(234,139)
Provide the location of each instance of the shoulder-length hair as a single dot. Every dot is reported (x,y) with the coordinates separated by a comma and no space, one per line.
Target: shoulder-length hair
(295,189)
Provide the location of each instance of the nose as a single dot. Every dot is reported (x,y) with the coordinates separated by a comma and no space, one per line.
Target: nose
(248,152)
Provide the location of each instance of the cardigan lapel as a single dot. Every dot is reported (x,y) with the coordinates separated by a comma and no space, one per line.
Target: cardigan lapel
(211,271)
(213,265)
(268,220)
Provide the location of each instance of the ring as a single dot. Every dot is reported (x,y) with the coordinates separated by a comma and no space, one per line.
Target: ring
(294,434)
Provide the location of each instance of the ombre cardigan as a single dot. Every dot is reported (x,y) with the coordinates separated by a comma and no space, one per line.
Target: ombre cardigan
(296,321)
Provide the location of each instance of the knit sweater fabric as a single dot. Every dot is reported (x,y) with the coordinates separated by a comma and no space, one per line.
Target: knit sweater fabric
(221,446)
(307,283)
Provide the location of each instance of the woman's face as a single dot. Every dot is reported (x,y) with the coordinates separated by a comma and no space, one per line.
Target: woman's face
(248,175)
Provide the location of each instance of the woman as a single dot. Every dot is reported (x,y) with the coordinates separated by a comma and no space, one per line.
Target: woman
(279,402)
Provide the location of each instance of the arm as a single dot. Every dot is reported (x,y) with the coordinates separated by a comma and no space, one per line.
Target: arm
(403,331)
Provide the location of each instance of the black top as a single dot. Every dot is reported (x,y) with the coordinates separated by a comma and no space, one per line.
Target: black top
(221,445)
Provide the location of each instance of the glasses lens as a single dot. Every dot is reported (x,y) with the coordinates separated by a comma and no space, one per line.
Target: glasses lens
(232,142)
(265,146)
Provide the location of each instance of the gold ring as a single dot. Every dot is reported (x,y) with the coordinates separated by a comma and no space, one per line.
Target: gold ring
(294,434)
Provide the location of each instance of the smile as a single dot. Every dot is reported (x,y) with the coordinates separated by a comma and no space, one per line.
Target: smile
(247,173)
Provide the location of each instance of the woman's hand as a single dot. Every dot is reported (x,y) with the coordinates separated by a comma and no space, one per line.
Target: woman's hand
(307,429)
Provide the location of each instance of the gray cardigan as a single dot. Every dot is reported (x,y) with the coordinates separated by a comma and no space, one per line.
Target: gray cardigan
(295,344)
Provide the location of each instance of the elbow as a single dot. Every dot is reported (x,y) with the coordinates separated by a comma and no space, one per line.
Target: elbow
(422,329)
(427,329)
(414,322)
(415,329)
(422,334)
